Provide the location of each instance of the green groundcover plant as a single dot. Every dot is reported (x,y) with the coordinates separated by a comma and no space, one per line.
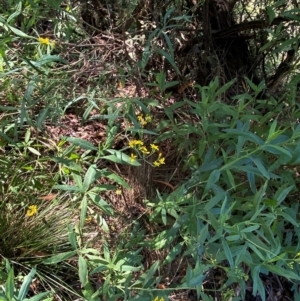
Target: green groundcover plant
(232,213)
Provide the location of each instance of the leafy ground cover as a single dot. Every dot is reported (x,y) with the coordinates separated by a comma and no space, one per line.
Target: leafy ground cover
(121,181)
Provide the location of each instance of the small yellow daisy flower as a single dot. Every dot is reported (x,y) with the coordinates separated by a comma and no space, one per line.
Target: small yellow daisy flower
(144,150)
(132,157)
(156,163)
(154,147)
(134,143)
(46,41)
(32,210)
(160,160)
(141,120)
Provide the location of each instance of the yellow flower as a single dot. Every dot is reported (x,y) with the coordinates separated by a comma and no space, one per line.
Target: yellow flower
(144,150)
(46,41)
(132,157)
(89,219)
(134,143)
(156,163)
(118,191)
(160,160)
(141,120)
(154,147)
(32,210)
(148,118)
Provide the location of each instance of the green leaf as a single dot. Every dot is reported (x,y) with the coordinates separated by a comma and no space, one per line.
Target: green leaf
(256,244)
(167,15)
(3,297)
(89,177)
(280,271)
(17,12)
(173,253)
(81,143)
(116,178)
(169,43)
(83,211)
(194,278)
(169,59)
(258,285)
(205,297)
(106,252)
(9,284)
(82,271)
(213,178)
(250,229)
(45,59)
(102,223)
(100,268)
(42,117)
(88,293)
(70,164)
(72,237)
(227,253)
(288,218)
(120,157)
(19,32)
(270,202)
(275,149)
(260,167)
(150,273)
(282,193)
(246,135)
(235,237)
(225,87)
(214,201)
(145,57)
(129,268)
(211,165)
(26,284)
(271,14)
(59,257)
(78,181)
(34,151)
(272,130)
(104,206)
(67,188)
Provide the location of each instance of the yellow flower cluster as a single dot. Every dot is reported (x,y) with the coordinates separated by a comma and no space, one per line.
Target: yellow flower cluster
(46,41)
(135,143)
(143,120)
(32,210)
(157,299)
(139,145)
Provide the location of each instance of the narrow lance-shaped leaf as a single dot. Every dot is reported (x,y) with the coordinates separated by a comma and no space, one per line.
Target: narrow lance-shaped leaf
(83,211)
(82,271)
(89,177)
(213,178)
(9,285)
(26,284)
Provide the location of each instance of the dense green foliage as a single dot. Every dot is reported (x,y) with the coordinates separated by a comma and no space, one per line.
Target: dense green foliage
(129,170)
